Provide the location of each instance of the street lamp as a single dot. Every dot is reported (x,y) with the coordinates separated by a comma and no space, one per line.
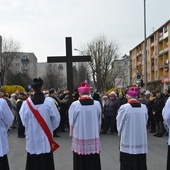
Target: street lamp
(145,54)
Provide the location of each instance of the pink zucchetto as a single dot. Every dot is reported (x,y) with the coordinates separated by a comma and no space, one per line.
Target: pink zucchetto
(84,88)
(133,91)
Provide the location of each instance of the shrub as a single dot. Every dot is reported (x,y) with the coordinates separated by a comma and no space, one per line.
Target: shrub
(12,89)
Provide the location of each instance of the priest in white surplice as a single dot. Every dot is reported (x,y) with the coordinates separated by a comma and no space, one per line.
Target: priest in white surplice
(131,125)
(6,119)
(85,123)
(166,117)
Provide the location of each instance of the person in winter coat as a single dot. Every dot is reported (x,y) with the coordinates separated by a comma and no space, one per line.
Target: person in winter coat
(157,108)
(110,112)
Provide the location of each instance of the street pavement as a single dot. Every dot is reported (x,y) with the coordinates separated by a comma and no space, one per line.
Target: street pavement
(63,157)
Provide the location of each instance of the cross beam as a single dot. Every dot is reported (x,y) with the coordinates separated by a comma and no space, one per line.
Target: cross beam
(68,59)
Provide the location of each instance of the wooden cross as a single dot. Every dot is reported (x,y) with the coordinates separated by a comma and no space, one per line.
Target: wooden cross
(68,59)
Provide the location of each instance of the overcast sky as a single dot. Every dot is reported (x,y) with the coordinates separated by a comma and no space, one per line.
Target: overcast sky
(40,26)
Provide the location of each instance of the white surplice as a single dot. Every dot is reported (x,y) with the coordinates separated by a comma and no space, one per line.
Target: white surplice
(85,123)
(131,126)
(166,116)
(36,140)
(6,119)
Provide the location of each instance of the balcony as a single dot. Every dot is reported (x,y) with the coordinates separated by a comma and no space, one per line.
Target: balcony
(166,64)
(166,49)
(24,60)
(139,63)
(152,56)
(152,44)
(166,69)
(161,52)
(139,53)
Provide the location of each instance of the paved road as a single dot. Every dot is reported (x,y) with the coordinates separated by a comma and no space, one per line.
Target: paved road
(156,158)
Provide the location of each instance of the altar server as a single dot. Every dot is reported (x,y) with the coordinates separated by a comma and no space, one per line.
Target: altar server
(39,128)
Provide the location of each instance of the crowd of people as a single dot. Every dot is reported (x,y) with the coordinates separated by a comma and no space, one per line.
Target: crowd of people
(89,115)
(15,101)
(154,101)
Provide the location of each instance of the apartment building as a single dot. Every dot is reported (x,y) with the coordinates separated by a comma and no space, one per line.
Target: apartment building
(157,62)
(26,63)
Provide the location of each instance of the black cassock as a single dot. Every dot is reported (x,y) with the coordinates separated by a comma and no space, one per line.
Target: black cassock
(4,165)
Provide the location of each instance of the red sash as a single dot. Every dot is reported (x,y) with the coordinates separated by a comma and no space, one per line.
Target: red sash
(44,126)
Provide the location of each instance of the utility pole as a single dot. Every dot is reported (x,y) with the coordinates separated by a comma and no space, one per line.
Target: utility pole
(145,54)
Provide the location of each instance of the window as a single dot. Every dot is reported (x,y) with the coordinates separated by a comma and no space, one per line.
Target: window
(165,29)
(156,74)
(24,57)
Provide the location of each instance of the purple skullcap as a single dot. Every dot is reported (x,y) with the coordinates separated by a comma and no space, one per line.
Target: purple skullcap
(133,91)
(84,88)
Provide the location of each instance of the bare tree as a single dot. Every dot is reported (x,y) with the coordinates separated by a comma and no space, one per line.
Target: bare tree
(10,49)
(83,72)
(103,54)
(76,81)
(54,78)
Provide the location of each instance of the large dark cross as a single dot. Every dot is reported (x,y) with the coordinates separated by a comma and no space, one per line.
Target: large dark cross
(68,59)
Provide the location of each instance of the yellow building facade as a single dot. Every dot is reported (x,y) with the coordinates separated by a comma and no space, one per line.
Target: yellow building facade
(157,59)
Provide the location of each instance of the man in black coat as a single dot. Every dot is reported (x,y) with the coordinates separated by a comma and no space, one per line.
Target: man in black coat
(157,108)
(94,95)
(21,128)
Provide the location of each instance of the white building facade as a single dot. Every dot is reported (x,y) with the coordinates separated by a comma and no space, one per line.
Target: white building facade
(24,63)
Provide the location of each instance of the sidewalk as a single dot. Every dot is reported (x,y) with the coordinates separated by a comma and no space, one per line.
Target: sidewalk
(156,158)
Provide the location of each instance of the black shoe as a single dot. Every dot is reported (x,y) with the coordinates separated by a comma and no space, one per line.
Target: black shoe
(21,136)
(155,134)
(159,135)
(152,131)
(56,135)
(111,133)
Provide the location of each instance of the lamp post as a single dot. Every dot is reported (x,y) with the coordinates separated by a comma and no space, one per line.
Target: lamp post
(145,54)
